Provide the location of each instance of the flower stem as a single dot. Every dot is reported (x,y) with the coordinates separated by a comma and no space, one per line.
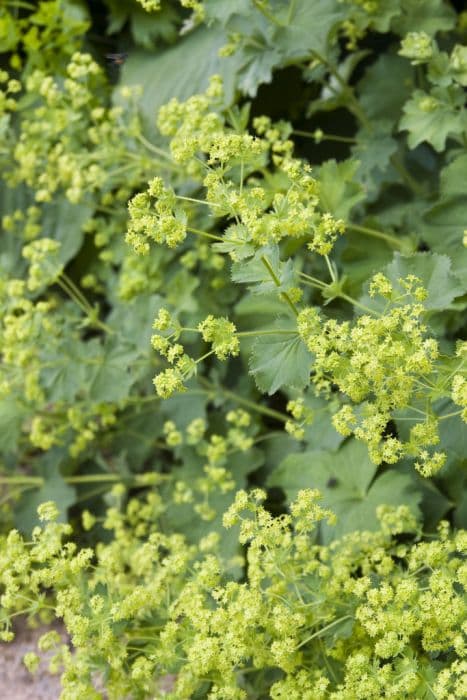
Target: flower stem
(245,402)
(325,137)
(323,629)
(276,281)
(391,240)
(204,234)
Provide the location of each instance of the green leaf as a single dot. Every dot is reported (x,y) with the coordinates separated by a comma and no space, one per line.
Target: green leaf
(361,258)
(110,372)
(430,16)
(180,71)
(223,10)
(373,151)
(435,273)
(347,481)
(443,231)
(321,434)
(434,117)
(339,192)
(296,32)
(453,178)
(432,269)
(254,272)
(65,372)
(54,489)
(308,27)
(11,260)
(256,68)
(12,415)
(279,360)
(396,74)
(145,27)
(10,35)
(182,518)
(64,222)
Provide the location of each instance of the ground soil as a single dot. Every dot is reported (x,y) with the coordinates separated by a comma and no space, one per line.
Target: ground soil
(16,683)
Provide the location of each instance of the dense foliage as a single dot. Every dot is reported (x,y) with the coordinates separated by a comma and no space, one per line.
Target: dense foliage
(233,262)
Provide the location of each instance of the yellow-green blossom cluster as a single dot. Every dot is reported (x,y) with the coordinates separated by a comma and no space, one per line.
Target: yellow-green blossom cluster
(418,46)
(364,617)
(302,416)
(226,162)
(220,332)
(44,267)
(153,216)
(379,362)
(68,139)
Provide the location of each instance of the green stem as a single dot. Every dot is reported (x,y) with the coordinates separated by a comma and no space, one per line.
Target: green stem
(391,240)
(197,201)
(76,290)
(291,11)
(75,294)
(330,268)
(204,234)
(450,415)
(155,149)
(245,402)
(406,176)
(354,106)
(276,281)
(323,629)
(279,331)
(318,283)
(86,479)
(325,137)
(203,357)
(32,480)
(358,305)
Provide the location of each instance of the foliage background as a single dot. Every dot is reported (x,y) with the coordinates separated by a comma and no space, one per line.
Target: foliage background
(378,112)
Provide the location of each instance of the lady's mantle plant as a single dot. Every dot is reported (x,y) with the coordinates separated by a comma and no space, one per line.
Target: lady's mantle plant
(265,289)
(367,616)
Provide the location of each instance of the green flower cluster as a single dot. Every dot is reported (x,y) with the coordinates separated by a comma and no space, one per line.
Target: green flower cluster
(366,617)
(383,363)
(226,164)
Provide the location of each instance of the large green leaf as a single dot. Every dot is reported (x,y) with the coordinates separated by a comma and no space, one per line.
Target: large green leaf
(180,71)
(373,151)
(64,222)
(64,373)
(339,192)
(361,257)
(280,360)
(111,371)
(430,16)
(255,273)
(182,518)
(395,73)
(432,269)
(12,414)
(307,27)
(321,434)
(347,481)
(433,117)
(145,27)
(444,226)
(223,10)
(453,178)
(54,489)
